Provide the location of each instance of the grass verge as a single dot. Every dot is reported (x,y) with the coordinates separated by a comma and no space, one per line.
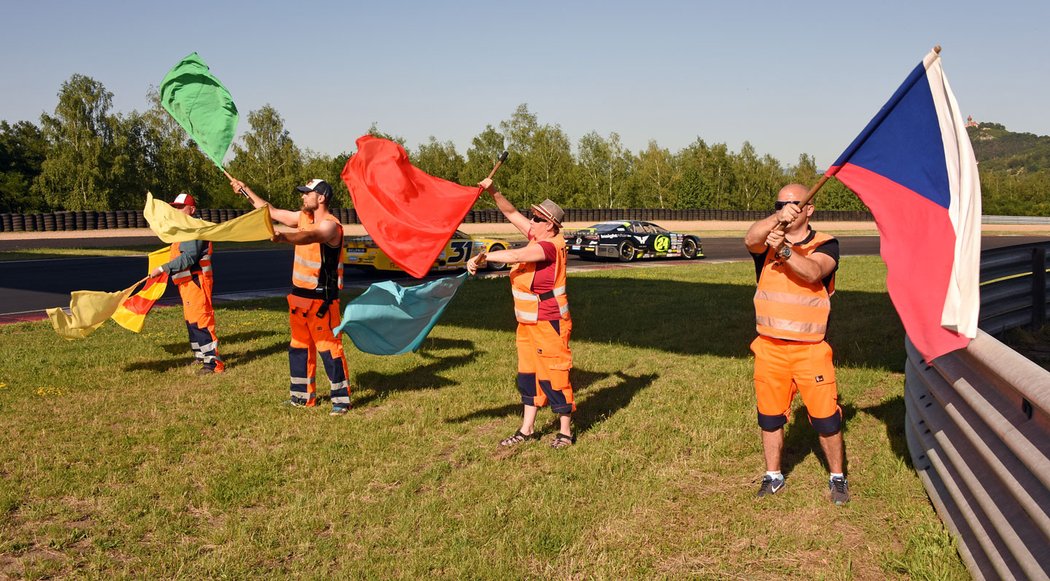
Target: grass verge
(119,462)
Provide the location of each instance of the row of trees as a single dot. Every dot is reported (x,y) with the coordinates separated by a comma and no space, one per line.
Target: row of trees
(84,156)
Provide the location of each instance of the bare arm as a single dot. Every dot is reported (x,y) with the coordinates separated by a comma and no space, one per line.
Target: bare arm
(326,232)
(520,222)
(286,217)
(530,253)
(812,268)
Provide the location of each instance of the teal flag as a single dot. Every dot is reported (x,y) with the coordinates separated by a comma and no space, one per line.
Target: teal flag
(199,102)
(389,319)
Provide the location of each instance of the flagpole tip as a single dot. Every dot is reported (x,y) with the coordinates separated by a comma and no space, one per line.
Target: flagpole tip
(937,49)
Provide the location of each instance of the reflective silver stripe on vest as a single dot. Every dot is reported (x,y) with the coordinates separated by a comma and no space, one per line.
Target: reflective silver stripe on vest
(794,326)
(526,317)
(564,310)
(206,268)
(307,279)
(792,299)
(528,296)
(307,263)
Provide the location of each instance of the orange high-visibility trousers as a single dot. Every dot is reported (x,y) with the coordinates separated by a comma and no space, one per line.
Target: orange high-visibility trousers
(312,335)
(200,321)
(544,361)
(783,368)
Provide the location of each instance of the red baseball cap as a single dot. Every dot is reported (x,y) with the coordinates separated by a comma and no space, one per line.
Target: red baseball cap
(184,200)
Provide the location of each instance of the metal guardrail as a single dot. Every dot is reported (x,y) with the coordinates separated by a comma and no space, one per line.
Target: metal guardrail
(1014,292)
(977,422)
(1039,220)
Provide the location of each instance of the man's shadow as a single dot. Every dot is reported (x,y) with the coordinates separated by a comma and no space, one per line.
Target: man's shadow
(427,376)
(800,440)
(594,408)
(891,413)
(184,356)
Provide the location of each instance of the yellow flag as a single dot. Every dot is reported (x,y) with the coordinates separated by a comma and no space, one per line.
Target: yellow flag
(171,225)
(131,314)
(87,311)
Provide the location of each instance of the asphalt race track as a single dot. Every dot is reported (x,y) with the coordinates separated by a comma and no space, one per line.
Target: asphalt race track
(27,287)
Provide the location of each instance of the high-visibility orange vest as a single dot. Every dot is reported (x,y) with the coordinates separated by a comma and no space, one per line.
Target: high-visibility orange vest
(318,266)
(787,307)
(202,268)
(526,302)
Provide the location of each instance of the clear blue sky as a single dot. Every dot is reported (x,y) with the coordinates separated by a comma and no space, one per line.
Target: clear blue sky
(791,77)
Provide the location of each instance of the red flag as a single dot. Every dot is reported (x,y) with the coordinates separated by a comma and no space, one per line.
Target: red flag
(410,214)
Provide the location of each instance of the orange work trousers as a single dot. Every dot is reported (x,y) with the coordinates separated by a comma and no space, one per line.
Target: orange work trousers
(312,335)
(783,368)
(200,321)
(544,361)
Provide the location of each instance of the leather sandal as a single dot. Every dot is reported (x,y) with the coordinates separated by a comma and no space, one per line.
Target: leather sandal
(518,438)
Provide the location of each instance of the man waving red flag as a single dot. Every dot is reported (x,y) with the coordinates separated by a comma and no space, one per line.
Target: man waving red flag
(410,214)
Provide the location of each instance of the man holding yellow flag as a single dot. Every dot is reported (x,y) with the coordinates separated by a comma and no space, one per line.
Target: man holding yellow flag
(313,304)
(190,270)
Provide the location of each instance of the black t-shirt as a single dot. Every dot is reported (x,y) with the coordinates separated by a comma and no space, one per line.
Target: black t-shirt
(831,248)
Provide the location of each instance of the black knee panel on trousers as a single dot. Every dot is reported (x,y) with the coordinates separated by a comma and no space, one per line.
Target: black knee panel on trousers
(829,425)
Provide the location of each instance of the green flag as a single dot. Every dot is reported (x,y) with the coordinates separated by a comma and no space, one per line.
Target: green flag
(199,102)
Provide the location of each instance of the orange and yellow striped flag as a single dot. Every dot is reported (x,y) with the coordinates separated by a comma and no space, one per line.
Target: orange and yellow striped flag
(131,314)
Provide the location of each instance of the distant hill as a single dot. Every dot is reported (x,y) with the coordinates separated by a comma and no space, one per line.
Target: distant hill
(998,148)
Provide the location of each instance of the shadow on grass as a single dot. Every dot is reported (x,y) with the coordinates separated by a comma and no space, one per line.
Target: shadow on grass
(689,318)
(891,413)
(595,407)
(801,440)
(229,358)
(424,377)
(674,316)
(224,341)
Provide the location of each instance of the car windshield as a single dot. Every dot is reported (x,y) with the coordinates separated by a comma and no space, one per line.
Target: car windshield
(607,226)
(460,234)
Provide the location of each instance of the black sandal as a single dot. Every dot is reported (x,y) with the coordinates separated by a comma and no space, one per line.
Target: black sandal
(518,438)
(562,441)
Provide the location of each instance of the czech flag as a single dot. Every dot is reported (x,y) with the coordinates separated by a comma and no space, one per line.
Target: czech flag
(913,166)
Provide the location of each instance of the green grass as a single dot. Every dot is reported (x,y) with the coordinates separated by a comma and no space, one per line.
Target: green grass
(120,463)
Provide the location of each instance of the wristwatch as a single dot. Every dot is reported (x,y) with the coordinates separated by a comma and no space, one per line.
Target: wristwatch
(784,252)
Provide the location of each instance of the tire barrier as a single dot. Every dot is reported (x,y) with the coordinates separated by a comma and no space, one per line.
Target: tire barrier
(90,220)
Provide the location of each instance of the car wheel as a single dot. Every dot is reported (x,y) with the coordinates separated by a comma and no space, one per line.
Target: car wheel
(495,265)
(626,251)
(689,248)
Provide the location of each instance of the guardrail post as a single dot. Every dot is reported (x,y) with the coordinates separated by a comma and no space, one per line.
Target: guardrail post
(1038,288)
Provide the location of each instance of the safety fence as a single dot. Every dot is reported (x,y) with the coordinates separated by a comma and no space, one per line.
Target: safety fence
(978,427)
(1013,287)
(52,221)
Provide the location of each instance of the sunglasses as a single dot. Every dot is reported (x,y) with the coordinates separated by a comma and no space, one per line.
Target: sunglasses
(538,220)
(778,206)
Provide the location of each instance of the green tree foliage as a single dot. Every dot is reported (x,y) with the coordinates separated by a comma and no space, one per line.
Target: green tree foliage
(440,159)
(656,175)
(541,163)
(22,152)
(83,157)
(77,173)
(484,150)
(269,161)
(605,166)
